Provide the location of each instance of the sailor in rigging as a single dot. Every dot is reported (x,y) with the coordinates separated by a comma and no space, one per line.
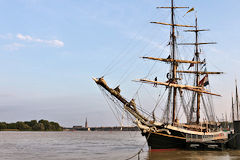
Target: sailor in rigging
(155,84)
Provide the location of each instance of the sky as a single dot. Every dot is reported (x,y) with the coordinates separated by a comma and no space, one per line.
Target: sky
(50,50)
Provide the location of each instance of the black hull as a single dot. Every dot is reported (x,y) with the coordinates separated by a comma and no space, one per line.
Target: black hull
(176,140)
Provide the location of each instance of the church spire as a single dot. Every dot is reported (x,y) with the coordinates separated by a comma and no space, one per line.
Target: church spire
(86,123)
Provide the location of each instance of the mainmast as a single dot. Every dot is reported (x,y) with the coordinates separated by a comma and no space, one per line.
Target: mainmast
(197,74)
(197,71)
(174,64)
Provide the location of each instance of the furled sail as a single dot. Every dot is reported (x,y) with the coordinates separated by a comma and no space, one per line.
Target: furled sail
(177,25)
(173,60)
(199,72)
(186,87)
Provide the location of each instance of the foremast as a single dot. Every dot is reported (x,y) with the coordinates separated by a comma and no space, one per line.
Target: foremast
(174,64)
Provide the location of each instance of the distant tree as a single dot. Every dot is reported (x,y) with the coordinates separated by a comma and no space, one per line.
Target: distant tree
(31,123)
(55,126)
(46,124)
(3,125)
(41,125)
(23,126)
(38,127)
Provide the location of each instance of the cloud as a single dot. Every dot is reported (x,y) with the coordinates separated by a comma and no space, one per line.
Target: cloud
(6,36)
(13,46)
(22,37)
(55,43)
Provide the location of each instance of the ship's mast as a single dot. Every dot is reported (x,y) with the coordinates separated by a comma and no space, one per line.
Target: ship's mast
(172,83)
(237,103)
(174,64)
(197,74)
(233,118)
(197,71)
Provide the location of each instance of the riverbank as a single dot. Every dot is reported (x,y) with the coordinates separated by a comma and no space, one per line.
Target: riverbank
(33,125)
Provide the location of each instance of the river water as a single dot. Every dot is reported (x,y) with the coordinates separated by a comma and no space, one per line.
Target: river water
(90,146)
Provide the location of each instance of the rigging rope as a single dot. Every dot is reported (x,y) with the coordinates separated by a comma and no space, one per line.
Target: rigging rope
(165,117)
(206,110)
(158,101)
(105,96)
(141,150)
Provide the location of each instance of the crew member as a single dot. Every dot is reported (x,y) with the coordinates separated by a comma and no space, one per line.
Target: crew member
(155,84)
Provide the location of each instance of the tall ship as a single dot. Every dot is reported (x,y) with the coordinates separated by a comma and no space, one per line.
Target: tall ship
(186,87)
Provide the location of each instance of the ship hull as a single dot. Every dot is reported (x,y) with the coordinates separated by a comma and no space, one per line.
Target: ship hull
(157,141)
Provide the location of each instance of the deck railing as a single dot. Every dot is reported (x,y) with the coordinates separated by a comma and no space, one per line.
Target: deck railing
(205,138)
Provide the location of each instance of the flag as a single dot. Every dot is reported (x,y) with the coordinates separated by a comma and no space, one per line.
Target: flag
(191,64)
(204,81)
(204,63)
(190,10)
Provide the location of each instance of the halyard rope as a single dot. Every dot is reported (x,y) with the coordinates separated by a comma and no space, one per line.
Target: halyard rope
(141,150)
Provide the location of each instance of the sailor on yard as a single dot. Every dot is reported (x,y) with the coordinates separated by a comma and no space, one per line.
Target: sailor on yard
(155,84)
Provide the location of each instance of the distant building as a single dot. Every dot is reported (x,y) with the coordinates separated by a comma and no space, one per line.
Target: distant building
(77,127)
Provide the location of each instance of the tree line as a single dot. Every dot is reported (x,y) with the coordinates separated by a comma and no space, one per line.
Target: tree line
(33,125)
